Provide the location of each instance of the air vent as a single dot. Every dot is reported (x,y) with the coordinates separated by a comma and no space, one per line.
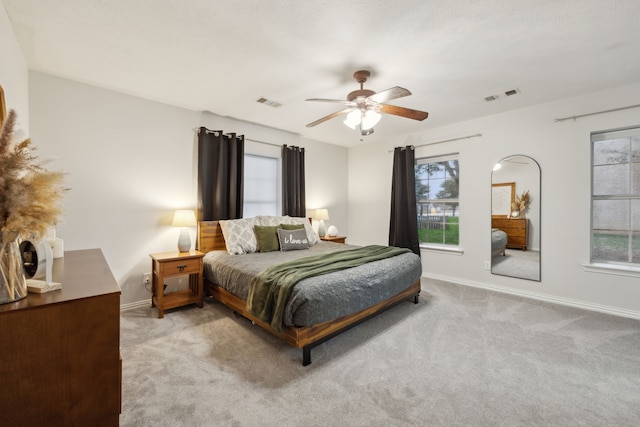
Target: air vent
(491,98)
(512,92)
(265,101)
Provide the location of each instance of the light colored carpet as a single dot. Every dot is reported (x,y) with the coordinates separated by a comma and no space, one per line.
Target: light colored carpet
(517,263)
(461,357)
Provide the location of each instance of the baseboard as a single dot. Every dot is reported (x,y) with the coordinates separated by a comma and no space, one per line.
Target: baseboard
(134,305)
(540,297)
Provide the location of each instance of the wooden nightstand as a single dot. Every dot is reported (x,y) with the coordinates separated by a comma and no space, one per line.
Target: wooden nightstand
(169,264)
(335,239)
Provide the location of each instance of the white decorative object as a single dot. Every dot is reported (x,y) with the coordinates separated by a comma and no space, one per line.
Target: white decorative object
(57,246)
(40,267)
(332,231)
(56,243)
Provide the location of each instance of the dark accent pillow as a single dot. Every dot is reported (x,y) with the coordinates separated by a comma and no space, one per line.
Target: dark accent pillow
(267,237)
(292,226)
(292,240)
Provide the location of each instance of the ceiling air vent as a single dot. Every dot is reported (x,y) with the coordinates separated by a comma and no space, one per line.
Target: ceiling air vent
(265,101)
(512,92)
(491,98)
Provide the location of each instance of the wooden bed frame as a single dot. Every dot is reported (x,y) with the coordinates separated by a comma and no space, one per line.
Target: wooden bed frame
(210,238)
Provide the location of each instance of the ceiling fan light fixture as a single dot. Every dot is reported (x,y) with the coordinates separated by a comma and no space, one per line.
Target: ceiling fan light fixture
(370,118)
(353,119)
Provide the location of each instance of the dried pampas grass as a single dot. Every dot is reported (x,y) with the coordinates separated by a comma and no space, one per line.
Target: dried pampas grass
(522,202)
(30,196)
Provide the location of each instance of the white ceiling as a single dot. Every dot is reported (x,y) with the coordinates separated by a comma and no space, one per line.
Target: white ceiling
(222,55)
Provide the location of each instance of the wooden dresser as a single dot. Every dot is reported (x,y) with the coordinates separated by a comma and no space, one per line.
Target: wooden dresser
(517,230)
(60,359)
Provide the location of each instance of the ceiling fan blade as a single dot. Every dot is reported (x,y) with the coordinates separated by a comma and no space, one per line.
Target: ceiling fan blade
(330,116)
(336,101)
(389,94)
(403,112)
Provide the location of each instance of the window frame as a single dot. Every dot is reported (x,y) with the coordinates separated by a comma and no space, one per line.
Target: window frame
(602,264)
(443,246)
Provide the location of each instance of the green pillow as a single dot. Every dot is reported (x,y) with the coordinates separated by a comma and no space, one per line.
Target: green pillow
(292,226)
(267,237)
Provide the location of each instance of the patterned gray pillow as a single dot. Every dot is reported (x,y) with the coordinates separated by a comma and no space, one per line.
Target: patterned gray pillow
(239,235)
(293,240)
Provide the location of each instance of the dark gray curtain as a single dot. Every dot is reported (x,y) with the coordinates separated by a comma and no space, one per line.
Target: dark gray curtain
(220,172)
(293,197)
(403,226)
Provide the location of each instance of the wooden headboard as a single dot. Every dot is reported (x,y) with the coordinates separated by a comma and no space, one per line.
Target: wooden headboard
(210,237)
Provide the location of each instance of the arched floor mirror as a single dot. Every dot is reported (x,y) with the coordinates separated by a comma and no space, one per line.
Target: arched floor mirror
(515,218)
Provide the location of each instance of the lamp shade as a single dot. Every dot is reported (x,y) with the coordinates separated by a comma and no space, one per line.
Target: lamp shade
(321,214)
(184,218)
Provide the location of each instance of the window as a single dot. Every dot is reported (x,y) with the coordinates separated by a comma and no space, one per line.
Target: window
(437,183)
(615,197)
(261,186)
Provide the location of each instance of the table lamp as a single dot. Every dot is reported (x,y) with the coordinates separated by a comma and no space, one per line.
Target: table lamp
(321,215)
(184,218)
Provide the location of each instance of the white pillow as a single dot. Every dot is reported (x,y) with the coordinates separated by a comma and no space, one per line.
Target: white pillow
(272,220)
(239,235)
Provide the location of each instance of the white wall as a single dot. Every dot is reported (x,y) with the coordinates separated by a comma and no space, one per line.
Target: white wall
(13,72)
(130,162)
(561,149)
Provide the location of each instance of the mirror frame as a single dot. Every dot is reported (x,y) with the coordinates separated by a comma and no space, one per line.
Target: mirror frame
(3,106)
(500,193)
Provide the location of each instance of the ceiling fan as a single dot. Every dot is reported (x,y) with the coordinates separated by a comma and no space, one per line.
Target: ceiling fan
(363,106)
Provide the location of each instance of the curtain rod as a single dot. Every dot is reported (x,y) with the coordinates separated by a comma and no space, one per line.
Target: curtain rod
(445,140)
(262,142)
(247,139)
(597,112)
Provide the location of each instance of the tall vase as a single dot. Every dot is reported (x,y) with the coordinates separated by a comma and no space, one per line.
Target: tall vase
(13,285)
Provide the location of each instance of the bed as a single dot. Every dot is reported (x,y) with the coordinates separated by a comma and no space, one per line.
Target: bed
(498,242)
(318,307)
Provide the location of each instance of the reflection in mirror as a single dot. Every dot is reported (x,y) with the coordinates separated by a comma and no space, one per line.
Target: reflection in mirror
(515,218)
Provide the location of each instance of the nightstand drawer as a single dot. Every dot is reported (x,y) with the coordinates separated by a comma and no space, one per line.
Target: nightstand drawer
(180,266)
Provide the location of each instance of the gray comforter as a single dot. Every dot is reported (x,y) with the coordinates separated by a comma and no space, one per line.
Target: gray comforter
(322,298)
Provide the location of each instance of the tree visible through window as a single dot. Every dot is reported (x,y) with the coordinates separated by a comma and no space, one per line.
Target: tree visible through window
(615,196)
(438,207)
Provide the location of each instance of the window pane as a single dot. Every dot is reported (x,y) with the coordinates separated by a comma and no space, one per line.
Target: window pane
(610,246)
(635,179)
(611,180)
(635,149)
(635,215)
(611,151)
(437,200)
(610,214)
(260,186)
(635,248)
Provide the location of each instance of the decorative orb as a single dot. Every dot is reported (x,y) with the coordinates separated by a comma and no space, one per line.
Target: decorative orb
(332,231)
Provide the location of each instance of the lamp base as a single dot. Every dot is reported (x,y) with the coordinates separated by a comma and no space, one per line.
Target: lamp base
(184,241)
(321,230)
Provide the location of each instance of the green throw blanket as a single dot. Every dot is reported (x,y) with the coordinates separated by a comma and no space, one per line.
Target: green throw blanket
(270,289)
